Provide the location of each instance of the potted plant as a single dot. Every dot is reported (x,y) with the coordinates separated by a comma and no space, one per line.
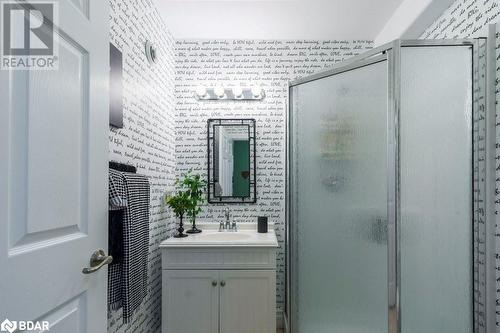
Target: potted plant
(194,186)
(179,203)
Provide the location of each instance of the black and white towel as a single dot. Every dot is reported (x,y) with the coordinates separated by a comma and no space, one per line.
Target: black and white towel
(128,241)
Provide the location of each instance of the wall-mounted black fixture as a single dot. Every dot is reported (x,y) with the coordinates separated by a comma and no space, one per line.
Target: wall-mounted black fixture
(115,87)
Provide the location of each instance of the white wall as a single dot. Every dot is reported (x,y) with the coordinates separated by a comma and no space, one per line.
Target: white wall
(277,19)
(410,19)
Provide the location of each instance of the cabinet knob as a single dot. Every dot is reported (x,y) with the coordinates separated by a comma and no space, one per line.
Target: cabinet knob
(214,283)
(223,283)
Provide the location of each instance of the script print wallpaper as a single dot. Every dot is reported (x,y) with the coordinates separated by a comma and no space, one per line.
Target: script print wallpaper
(147,139)
(270,64)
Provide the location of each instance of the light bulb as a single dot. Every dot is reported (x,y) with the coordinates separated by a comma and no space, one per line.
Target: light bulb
(219,91)
(237,92)
(256,91)
(201,91)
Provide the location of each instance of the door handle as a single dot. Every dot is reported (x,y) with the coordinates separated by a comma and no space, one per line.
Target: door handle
(223,283)
(97,260)
(214,283)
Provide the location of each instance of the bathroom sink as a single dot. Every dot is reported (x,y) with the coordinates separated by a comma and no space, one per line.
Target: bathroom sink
(246,236)
(228,236)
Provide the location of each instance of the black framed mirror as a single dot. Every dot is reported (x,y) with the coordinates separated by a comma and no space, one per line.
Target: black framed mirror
(231,161)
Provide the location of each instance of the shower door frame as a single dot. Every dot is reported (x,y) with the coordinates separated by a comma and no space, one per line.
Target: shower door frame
(391,52)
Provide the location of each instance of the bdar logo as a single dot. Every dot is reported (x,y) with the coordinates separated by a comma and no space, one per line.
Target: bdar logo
(22,325)
(8,326)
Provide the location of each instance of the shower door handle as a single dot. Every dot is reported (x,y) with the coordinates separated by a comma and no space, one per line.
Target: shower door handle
(391,243)
(392,275)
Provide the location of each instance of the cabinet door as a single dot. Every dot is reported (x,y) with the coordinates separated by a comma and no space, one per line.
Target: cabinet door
(248,301)
(190,301)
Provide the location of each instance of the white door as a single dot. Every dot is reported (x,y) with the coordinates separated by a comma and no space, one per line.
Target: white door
(190,301)
(53,178)
(248,301)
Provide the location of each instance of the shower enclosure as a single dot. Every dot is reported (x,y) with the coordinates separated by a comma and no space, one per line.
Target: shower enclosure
(388,169)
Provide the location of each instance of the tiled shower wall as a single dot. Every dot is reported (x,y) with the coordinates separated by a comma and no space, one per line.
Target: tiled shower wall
(464,19)
(148,137)
(271,64)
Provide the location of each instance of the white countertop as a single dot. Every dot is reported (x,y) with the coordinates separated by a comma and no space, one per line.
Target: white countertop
(246,236)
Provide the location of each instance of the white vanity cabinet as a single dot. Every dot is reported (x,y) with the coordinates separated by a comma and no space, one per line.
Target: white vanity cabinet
(218,289)
(248,301)
(190,301)
(225,301)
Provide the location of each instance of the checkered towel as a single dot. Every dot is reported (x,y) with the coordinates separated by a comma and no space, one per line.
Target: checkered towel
(128,241)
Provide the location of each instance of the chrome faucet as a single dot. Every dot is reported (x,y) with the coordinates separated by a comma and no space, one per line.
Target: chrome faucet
(227,225)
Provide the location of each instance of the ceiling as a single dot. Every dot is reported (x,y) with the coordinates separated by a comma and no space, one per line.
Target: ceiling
(276,19)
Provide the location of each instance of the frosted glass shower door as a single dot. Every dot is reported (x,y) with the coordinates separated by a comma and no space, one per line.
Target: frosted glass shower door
(339,167)
(436,189)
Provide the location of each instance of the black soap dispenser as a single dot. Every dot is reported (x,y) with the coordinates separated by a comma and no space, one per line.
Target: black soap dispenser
(262,224)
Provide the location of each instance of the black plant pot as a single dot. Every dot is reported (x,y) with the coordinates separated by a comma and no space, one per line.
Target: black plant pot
(180,230)
(193,229)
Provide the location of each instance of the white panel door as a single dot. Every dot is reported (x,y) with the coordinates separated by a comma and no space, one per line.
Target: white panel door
(190,301)
(248,301)
(53,178)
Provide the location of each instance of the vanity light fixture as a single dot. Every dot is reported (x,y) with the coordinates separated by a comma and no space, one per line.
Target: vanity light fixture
(255,93)
(238,92)
(219,92)
(201,92)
